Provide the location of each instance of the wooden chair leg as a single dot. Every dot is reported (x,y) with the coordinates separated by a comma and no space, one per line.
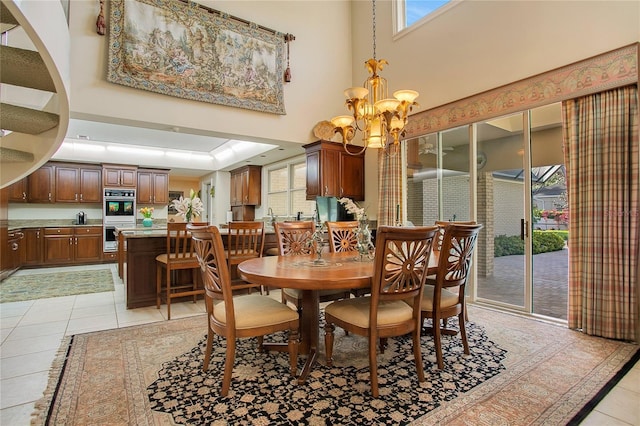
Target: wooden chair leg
(228,365)
(373,364)
(168,284)
(463,333)
(294,342)
(437,341)
(207,353)
(417,355)
(158,284)
(328,343)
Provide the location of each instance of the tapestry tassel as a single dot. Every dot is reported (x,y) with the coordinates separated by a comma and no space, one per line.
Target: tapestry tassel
(101,27)
(287,72)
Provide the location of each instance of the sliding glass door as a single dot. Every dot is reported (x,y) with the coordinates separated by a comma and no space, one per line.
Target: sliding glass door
(515,188)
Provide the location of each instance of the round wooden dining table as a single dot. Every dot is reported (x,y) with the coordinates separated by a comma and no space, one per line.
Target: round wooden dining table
(337,271)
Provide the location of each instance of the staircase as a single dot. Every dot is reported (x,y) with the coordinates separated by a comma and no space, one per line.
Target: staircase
(34,85)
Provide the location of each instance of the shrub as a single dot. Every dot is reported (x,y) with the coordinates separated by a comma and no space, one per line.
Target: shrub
(508,245)
(543,241)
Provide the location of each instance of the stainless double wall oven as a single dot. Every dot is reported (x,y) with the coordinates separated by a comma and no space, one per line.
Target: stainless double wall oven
(119,211)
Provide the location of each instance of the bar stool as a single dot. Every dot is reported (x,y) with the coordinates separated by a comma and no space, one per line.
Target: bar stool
(180,255)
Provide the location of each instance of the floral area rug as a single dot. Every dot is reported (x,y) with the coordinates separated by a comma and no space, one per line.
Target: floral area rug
(55,284)
(520,371)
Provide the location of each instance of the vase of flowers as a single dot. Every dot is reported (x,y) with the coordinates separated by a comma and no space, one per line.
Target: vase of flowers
(147,213)
(188,208)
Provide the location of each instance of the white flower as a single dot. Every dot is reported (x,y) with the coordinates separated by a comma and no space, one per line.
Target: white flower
(189,207)
(353,208)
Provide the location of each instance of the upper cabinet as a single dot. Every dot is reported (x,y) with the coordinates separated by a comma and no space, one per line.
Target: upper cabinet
(332,172)
(18,191)
(115,176)
(246,186)
(78,183)
(153,186)
(41,186)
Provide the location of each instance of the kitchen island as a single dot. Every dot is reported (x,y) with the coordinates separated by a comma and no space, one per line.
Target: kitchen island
(137,251)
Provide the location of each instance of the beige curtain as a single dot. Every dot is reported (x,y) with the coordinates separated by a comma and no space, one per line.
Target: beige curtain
(390,184)
(602,161)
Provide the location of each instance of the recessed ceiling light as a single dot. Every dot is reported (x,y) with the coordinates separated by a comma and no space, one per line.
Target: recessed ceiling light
(83,137)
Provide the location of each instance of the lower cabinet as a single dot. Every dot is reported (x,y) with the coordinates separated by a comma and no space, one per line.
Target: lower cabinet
(32,247)
(72,245)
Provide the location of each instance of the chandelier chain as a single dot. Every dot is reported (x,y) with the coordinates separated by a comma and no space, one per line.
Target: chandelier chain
(374,29)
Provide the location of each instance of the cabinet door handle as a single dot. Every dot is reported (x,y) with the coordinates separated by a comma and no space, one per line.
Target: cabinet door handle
(70,241)
(49,196)
(14,246)
(76,197)
(24,195)
(81,197)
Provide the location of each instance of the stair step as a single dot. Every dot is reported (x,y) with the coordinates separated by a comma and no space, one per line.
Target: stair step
(8,155)
(6,17)
(25,68)
(26,120)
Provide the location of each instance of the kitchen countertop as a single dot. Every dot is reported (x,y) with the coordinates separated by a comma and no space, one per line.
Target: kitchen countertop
(140,231)
(49,223)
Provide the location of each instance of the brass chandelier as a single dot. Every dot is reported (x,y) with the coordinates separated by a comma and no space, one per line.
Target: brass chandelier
(381,119)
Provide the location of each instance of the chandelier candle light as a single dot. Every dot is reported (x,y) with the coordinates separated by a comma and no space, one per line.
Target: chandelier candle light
(381,119)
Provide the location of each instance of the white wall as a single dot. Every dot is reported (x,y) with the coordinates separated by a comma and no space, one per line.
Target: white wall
(320,67)
(481,45)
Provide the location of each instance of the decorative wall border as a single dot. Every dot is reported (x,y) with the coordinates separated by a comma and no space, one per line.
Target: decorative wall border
(613,69)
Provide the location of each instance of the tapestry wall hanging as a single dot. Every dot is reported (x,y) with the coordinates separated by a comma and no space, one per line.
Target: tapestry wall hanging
(184,50)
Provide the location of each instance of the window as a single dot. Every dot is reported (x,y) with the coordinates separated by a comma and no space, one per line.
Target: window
(287,189)
(410,12)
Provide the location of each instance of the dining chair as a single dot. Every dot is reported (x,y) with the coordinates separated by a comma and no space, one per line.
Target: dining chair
(242,316)
(179,256)
(442,225)
(245,240)
(294,239)
(445,297)
(393,308)
(343,237)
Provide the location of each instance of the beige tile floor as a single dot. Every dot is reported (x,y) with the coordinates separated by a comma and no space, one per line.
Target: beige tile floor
(31,333)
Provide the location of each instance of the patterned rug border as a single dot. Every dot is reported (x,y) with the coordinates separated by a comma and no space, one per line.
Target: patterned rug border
(583,397)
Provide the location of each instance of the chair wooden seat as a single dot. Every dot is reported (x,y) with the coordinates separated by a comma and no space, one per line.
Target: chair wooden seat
(393,309)
(179,256)
(245,240)
(294,240)
(234,317)
(343,237)
(446,297)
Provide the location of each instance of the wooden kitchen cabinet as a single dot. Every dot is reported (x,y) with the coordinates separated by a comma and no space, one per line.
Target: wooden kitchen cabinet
(32,247)
(72,245)
(153,186)
(88,244)
(331,172)
(246,186)
(11,252)
(115,176)
(18,191)
(41,186)
(58,245)
(78,183)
